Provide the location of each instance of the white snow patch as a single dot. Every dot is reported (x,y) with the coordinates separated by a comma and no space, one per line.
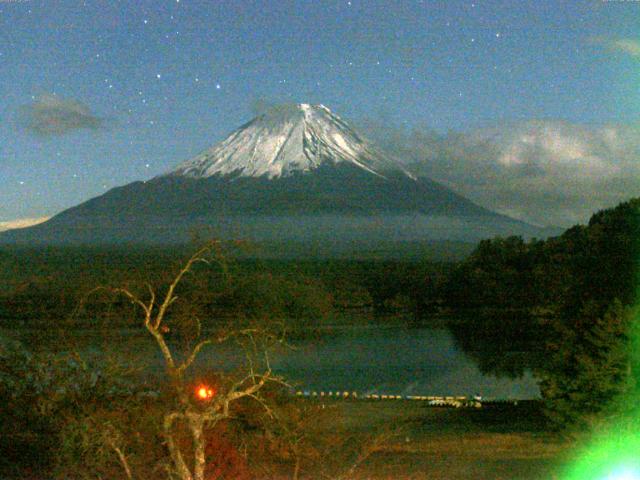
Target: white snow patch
(299,139)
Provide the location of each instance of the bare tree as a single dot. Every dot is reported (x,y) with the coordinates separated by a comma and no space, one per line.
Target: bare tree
(201,409)
(190,416)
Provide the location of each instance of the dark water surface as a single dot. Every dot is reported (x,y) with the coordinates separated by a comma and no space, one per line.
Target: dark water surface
(395,360)
(378,358)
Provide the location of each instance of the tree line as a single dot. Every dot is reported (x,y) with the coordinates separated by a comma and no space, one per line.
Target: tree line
(44,286)
(562,307)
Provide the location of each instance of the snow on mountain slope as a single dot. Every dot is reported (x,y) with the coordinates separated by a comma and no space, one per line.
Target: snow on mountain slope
(295,138)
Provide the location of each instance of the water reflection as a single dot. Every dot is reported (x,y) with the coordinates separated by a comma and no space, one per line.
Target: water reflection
(382,357)
(418,361)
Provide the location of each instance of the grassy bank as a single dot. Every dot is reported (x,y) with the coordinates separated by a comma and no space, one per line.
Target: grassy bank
(495,442)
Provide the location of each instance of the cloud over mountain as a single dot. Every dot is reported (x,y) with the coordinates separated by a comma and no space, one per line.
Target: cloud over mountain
(545,172)
(53,115)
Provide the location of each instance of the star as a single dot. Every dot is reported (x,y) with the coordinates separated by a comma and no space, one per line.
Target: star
(218,86)
(158,76)
(145,21)
(498,35)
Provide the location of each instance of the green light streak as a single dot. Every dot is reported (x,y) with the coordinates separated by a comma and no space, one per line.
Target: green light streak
(614,453)
(614,456)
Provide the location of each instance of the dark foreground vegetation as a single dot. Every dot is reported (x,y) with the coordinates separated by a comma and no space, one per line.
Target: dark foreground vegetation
(76,410)
(562,308)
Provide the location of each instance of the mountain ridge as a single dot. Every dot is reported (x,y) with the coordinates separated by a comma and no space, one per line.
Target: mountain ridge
(328,184)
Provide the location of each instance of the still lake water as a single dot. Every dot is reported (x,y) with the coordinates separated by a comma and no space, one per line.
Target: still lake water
(402,361)
(373,358)
(390,360)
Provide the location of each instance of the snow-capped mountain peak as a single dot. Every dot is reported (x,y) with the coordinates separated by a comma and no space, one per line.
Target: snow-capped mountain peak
(288,139)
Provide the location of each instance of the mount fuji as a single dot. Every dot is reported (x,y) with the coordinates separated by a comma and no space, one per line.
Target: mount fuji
(296,173)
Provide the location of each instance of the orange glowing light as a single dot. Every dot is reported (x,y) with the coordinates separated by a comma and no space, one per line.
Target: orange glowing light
(205,393)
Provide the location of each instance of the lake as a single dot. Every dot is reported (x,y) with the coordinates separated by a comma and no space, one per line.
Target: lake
(373,358)
(395,360)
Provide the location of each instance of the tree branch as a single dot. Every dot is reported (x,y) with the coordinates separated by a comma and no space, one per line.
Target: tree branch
(169,297)
(194,353)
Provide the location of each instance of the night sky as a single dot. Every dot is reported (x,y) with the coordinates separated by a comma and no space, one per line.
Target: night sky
(99,94)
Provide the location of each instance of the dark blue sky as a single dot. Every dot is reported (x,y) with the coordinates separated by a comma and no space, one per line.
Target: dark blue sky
(134,87)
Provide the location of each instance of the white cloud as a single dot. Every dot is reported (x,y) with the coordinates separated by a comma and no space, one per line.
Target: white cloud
(21,223)
(544,172)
